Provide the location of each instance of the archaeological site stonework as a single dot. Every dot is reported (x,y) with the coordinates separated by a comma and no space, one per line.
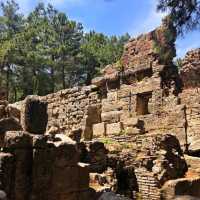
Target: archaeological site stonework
(133,134)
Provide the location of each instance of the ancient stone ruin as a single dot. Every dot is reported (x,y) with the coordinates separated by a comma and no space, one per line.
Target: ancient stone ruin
(132,134)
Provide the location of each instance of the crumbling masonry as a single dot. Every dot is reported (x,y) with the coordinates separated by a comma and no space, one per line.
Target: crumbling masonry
(134,131)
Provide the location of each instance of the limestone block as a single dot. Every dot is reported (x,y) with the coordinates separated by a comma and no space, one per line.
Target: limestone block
(34,115)
(111,117)
(8,124)
(194,146)
(114,128)
(193,163)
(131,122)
(112,96)
(99,129)
(108,106)
(7,173)
(14,110)
(182,186)
(132,131)
(17,140)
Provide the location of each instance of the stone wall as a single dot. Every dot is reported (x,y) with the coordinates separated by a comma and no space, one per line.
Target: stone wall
(190,96)
(190,69)
(151,47)
(42,168)
(73,109)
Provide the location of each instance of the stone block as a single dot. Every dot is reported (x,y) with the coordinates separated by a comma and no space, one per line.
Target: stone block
(99,130)
(131,122)
(132,131)
(111,117)
(112,96)
(114,128)
(34,116)
(7,164)
(8,124)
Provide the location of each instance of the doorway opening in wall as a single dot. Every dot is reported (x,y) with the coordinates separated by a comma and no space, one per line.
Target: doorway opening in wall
(142,103)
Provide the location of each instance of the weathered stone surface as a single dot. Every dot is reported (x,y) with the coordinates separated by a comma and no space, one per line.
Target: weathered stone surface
(8,124)
(186,197)
(7,168)
(142,51)
(179,187)
(139,108)
(190,69)
(43,168)
(111,196)
(112,116)
(114,128)
(99,130)
(34,116)
(3,195)
(194,146)
(14,110)
(160,159)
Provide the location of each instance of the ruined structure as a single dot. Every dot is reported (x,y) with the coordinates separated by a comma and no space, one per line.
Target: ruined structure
(134,131)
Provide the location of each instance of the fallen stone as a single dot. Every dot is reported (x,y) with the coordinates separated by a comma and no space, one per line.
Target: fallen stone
(194,147)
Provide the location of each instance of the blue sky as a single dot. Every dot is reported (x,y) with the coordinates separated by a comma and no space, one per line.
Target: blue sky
(116,17)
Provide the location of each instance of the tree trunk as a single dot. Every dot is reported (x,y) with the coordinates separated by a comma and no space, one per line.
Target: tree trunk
(63,77)
(88,80)
(52,74)
(52,79)
(8,81)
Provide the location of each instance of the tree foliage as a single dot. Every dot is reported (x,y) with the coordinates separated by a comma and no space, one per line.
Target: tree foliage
(46,51)
(185,14)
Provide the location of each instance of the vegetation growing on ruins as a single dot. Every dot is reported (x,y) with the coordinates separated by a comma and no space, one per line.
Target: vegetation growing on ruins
(46,51)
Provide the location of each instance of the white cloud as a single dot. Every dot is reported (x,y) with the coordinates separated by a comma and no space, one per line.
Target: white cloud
(69,2)
(152,21)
